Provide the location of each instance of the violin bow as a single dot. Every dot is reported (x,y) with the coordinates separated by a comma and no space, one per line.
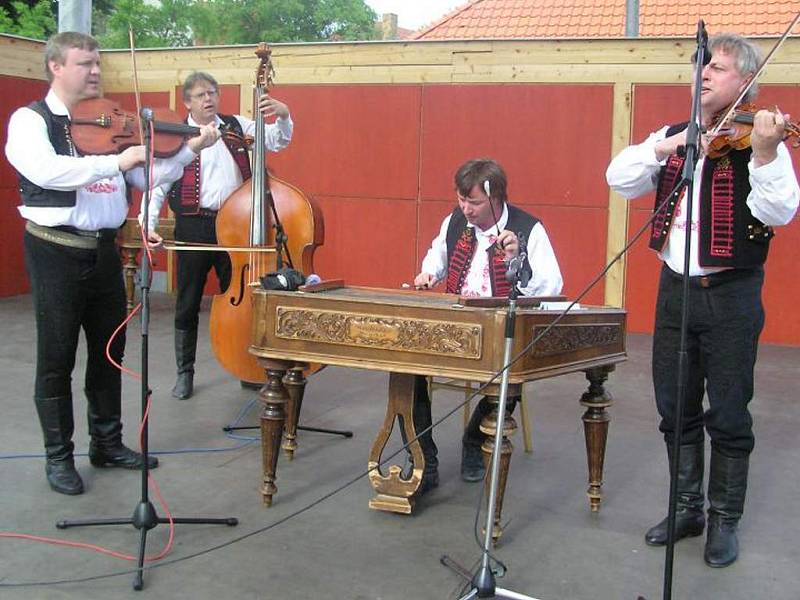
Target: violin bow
(135,81)
(756,75)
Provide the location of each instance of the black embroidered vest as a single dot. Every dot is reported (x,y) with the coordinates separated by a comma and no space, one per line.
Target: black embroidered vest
(461,244)
(58,132)
(729,235)
(184,195)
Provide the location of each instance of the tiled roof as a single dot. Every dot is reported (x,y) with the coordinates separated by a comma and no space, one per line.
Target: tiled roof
(499,19)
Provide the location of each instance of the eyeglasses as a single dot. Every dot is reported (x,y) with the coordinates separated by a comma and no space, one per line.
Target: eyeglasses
(201,95)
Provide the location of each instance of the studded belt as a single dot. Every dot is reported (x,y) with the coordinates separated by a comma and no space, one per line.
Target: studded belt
(71,236)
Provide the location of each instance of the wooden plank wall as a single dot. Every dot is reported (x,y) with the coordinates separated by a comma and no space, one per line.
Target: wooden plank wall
(381,127)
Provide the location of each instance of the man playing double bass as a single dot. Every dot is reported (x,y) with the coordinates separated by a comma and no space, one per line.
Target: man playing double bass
(73,206)
(197,197)
(738,197)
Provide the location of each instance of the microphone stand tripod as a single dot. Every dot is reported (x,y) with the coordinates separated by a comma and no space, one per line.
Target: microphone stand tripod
(687,182)
(483,581)
(144,516)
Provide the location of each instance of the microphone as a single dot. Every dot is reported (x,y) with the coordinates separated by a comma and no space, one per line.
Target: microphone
(146,114)
(702,42)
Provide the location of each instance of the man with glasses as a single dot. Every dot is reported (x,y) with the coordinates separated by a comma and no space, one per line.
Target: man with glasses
(470,256)
(198,196)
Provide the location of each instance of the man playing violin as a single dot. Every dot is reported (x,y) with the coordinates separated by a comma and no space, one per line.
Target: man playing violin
(470,255)
(738,198)
(197,197)
(73,206)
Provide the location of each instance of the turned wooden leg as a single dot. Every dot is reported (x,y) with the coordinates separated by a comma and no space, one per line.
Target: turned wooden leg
(295,384)
(273,397)
(595,428)
(129,266)
(489,427)
(393,492)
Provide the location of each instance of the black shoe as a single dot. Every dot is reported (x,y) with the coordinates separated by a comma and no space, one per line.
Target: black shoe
(429,481)
(184,386)
(472,467)
(722,545)
(63,478)
(688,523)
(119,456)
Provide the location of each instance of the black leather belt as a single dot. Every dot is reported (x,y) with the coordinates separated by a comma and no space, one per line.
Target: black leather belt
(73,237)
(712,279)
(207,212)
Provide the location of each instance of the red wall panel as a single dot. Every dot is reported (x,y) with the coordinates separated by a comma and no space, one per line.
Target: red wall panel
(553,140)
(368,242)
(655,106)
(352,141)
(13,279)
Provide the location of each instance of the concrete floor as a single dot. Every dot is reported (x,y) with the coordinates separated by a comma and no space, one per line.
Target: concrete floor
(554,546)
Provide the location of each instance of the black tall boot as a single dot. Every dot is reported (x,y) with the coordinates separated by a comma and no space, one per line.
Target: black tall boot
(689,518)
(472,467)
(55,417)
(185,351)
(727,487)
(105,428)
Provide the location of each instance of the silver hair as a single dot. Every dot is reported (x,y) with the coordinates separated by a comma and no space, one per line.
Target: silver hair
(748,56)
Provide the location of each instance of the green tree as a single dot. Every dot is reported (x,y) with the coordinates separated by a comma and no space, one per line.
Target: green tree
(35,20)
(251,21)
(153,26)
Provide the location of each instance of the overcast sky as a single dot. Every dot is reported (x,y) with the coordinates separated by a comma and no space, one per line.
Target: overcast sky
(413,14)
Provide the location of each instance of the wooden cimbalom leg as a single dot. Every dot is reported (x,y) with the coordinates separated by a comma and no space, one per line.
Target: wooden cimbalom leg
(595,427)
(273,397)
(489,427)
(394,493)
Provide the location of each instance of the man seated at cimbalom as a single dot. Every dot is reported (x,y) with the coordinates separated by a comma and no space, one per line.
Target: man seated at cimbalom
(470,255)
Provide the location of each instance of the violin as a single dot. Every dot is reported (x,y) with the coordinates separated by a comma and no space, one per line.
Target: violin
(737,131)
(102,126)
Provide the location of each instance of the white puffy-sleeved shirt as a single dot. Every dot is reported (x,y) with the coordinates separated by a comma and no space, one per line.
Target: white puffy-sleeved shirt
(546,279)
(101,201)
(219,174)
(773,197)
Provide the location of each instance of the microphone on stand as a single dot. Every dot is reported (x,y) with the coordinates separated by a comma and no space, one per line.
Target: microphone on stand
(146,114)
(518,270)
(702,41)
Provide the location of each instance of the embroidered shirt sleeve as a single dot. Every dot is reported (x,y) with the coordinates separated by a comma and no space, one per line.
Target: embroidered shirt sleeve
(435,261)
(634,171)
(546,279)
(774,192)
(277,135)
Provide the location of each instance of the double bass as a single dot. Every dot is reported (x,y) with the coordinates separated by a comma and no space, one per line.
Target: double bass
(250,218)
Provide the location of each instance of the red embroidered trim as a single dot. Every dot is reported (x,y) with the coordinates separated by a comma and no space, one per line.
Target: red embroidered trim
(673,169)
(500,285)
(722,210)
(460,261)
(190,182)
(190,186)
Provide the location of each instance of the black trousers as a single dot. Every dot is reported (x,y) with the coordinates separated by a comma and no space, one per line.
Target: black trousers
(76,289)
(193,268)
(725,320)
